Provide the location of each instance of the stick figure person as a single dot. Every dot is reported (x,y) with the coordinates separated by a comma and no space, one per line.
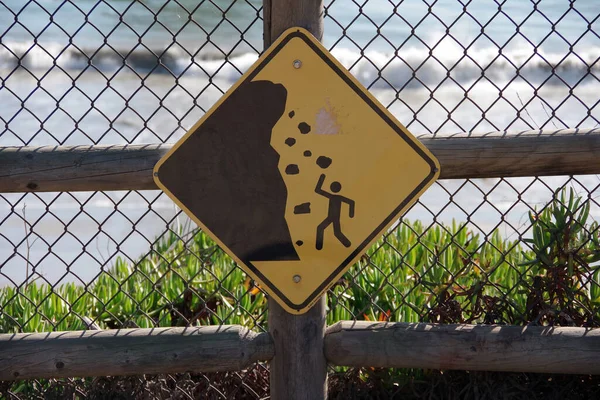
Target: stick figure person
(334,213)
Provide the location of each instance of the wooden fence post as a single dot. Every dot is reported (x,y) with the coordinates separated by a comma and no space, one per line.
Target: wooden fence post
(299,368)
(279,15)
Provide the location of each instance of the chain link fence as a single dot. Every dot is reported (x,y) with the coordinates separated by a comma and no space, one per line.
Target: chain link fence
(504,251)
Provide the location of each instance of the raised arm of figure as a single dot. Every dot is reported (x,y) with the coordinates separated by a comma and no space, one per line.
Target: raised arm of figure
(319,188)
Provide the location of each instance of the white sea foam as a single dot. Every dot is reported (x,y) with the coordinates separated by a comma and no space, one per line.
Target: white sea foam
(407,68)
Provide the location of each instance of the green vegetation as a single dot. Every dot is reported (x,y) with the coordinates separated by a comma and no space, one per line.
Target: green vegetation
(440,274)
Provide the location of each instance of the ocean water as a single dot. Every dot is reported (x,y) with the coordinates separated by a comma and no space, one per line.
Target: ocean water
(120,71)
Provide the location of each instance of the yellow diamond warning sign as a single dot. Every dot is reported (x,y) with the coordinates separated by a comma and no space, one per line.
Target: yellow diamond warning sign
(296,170)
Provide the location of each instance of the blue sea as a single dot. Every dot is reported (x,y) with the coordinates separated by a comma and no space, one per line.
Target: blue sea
(121,71)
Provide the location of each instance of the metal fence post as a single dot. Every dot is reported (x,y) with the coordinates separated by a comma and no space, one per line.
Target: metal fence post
(299,368)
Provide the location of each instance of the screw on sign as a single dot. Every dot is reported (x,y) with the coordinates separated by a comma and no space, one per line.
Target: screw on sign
(281,170)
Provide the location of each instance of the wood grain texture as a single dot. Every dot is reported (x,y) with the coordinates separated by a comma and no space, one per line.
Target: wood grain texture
(131,352)
(280,15)
(562,350)
(497,154)
(299,368)
(530,153)
(78,168)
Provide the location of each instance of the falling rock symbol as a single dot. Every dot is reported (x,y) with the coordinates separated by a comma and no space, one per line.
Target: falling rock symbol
(303,208)
(290,141)
(292,169)
(323,162)
(304,128)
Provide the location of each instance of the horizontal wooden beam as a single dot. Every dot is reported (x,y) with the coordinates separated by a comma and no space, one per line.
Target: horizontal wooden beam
(529,153)
(496,154)
(131,352)
(78,168)
(563,350)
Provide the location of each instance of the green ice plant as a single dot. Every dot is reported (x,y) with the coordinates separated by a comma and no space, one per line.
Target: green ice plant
(563,265)
(439,273)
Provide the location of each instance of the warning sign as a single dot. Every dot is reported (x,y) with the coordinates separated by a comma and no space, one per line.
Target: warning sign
(296,170)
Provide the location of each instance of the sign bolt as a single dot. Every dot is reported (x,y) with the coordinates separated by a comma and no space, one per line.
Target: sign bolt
(297,278)
(297,64)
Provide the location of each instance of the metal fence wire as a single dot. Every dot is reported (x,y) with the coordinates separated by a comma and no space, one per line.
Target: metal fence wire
(504,251)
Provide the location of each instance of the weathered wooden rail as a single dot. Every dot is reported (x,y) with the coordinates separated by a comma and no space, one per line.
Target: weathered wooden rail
(564,350)
(348,343)
(120,167)
(131,351)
